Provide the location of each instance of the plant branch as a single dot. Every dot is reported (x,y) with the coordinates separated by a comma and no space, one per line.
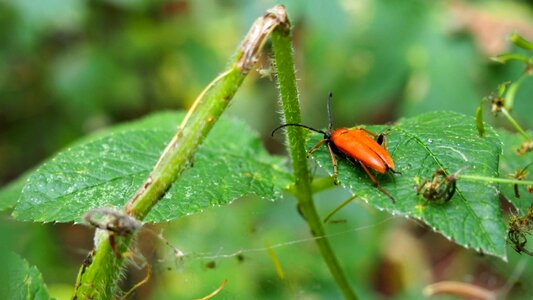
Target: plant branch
(515,124)
(336,209)
(317,185)
(282,46)
(459,289)
(511,91)
(99,274)
(494,179)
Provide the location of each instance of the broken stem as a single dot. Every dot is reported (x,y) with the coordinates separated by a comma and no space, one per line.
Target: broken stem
(98,276)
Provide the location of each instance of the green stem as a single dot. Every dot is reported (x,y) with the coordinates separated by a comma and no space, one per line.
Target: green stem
(494,179)
(511,91)
(317,185)
(343,204)
(515,124)
(181,149)
(521,42)
(322,184)
(99,279)
(504,58)
(282,46)
(98,276)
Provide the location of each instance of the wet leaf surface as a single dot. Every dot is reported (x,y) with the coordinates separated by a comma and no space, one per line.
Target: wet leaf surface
(419,146)
(106,170)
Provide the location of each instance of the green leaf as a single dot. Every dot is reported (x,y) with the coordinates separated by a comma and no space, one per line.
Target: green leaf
(502,88)
(108,169)
(10,193)
(521,42)
(505,58)
(511,91)
(419,146)
(512,162)
(20,280)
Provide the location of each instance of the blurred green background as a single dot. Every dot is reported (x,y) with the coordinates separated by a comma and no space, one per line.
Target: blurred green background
(69,68)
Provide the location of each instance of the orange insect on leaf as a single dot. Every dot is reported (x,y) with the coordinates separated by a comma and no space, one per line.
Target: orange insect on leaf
(354,144)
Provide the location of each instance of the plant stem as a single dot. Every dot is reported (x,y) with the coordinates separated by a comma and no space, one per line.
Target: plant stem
(180,151)
(317,185)
(343,204)
(494,179)
(515,124)
(282,46)
(98,276)
(511,91)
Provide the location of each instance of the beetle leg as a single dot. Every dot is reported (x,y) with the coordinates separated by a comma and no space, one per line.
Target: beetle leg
(450,189)
(113,243)
(372,133)
(421,186)
(516,192)
(316,147)
(376,183)
(334,161)
(380,138)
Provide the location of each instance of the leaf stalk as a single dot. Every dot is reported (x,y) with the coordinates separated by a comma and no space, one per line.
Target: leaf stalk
(494,179)
(515,124)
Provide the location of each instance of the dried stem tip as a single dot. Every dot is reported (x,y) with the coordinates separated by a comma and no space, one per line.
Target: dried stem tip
(258,34)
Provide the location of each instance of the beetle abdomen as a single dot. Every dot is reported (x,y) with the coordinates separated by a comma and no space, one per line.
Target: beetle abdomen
(356,144)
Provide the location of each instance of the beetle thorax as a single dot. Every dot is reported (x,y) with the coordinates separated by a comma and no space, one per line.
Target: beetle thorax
(338,132)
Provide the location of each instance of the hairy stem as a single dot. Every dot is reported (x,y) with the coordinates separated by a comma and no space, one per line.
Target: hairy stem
(99,274)
(282,46)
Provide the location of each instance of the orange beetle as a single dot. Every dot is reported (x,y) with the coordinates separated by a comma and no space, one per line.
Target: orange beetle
(355,145)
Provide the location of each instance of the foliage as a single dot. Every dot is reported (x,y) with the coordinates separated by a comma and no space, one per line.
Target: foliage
(421,145)
(20,280)
(511,165)
(68,70)
(107,170)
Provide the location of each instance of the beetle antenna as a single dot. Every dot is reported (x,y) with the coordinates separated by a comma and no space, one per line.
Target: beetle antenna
(330,123)
(299,125)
